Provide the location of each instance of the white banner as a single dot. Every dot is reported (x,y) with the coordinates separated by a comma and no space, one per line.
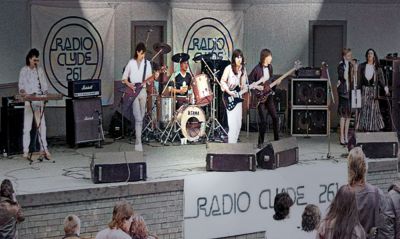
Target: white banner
(225,204)
(75,44)
(202,31)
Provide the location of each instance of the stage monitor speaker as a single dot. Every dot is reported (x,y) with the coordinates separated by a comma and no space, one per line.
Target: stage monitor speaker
(82,119)
(309,122)
(378,144)
(230,157)
(309,92)
(280,153)
(114,167)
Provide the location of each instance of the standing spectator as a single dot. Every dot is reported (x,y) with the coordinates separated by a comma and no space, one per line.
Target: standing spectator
(373,210)
(394,195)
(342,218)
(120,224)
(10,211)
(72,227)
(310,218)
(282,204)
(139,229)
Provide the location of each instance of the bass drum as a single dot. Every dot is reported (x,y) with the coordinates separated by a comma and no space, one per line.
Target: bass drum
(193,122)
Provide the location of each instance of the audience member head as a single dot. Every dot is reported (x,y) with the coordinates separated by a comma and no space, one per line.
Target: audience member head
(343,213)
(282,205)
(310,218)
(72,225)
(139,228)
(356,166)
(122,216)
(7,189)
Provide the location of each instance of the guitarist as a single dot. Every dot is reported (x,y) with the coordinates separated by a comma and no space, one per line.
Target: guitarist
(264,69)
(234,79)
(138,70)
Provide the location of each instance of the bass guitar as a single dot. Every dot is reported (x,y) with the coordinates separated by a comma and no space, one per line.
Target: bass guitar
(262,96)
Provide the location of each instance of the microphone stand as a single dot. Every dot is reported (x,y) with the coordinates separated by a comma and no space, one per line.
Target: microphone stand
(99,129)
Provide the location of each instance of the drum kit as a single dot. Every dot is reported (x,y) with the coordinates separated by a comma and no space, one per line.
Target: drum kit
(189,122)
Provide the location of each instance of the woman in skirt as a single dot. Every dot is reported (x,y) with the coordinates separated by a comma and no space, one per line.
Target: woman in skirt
(370,75)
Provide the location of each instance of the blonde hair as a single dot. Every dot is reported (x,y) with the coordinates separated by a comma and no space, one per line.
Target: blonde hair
(122,211)
(356,166)
(72,224)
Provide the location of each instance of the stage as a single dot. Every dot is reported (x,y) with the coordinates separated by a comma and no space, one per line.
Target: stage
(180,198)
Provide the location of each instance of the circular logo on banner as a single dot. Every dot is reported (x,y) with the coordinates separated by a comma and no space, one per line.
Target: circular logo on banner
(208,35)
(73,50)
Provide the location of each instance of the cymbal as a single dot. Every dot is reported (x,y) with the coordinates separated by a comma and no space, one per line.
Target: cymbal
(164,48)
(203,56)
(180,57)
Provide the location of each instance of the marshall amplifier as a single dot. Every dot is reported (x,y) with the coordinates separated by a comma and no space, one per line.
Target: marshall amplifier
(279,153)
(308,72)
(84,88)
(230,157)
(113,167)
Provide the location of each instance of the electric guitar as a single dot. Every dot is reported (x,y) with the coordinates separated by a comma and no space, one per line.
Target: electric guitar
(130,95)
(262,96)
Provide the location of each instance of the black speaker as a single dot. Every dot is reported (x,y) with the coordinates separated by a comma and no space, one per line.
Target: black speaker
(82,119)
(280,100)
(230,157)
(113,167)
(280,153)
(309,92)
(309,122)
(377,144)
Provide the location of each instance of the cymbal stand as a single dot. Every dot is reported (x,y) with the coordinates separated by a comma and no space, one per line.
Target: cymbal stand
(151,129)
(212,123)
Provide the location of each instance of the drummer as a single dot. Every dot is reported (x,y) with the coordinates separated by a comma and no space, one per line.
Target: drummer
(180,85)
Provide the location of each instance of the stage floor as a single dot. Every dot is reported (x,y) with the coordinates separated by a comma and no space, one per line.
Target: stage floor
(71,168)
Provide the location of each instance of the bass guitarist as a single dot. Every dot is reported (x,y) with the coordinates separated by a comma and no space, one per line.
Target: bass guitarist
(265,105)
(138,70)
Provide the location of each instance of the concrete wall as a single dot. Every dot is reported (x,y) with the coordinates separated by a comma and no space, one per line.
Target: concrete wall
(282,26)
(160,204)
(383,172)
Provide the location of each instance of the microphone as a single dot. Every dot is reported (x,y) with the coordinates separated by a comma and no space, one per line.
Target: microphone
(150,30)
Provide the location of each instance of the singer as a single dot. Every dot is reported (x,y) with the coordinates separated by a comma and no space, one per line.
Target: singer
(32,80)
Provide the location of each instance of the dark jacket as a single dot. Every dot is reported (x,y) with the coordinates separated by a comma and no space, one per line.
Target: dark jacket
(342,88)
(377,80)
(258,72)
(10,215)
(394,204)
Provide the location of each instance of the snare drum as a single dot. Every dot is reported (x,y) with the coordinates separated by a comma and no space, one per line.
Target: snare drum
(193,122)
(201,89)
(166,109)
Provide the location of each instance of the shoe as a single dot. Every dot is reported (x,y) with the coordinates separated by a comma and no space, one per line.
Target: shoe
(25,155)
(138,147)
(46,154)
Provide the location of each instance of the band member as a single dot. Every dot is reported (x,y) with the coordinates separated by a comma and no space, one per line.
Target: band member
(182,80)
(138,70)
(234,79)
(32,80)
(370,75)
(345,84)
(264,69)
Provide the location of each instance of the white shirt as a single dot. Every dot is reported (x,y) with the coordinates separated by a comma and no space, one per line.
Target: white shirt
(230,80)
(28,80)
(135,73)
(266,73)
(369,71)
(346,73)
(112,234)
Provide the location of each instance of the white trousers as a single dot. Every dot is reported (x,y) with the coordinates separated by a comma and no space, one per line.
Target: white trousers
(139,110)
(28,118)
(234,123)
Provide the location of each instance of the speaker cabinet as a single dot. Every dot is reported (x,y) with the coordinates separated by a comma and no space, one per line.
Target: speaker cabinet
(280,153)
(309,92)
(309,122)
(82,119)
(378,144)
(230,157)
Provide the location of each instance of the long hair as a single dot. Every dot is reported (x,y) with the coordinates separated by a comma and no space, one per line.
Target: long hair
(32,52)
(6,189)
(139,229)
(356,166)
(139,47)
(310,218)
(122,211)
(237,53)
(282,204)
(343,213)
(376,59)
(264,54)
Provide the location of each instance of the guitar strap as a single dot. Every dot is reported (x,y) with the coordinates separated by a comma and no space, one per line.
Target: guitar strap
(144,72)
